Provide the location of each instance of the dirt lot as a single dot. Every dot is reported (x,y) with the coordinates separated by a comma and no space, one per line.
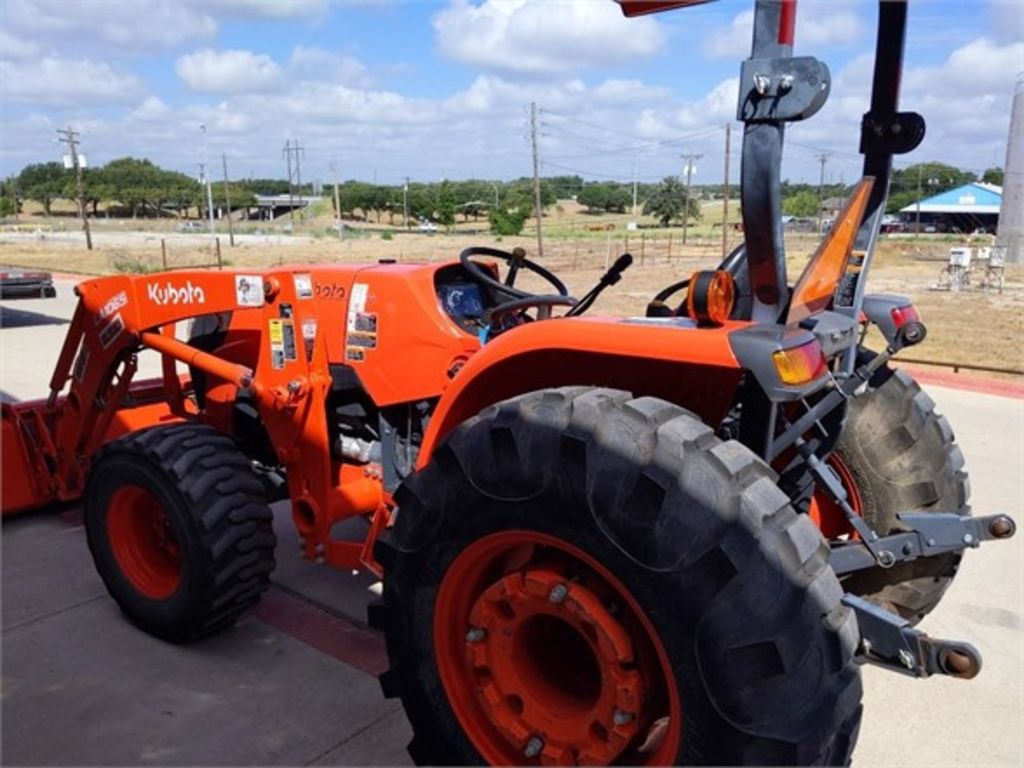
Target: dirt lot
(972,328)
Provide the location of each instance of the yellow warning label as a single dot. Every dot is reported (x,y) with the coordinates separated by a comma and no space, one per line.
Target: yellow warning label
(276,332)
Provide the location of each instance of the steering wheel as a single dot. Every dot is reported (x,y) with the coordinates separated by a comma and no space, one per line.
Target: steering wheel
(517,300)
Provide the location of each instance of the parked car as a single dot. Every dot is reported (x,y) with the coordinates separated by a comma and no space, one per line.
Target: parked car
(427,226)
(192,226)
(26,284)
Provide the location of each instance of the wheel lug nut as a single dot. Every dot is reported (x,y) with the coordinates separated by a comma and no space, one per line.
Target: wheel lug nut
(533,747)
(622,717)
(475,635)
(558,593)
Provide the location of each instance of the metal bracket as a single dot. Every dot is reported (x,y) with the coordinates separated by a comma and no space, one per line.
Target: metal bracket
(782,89)
(930,534)
(889,641)
(891,134)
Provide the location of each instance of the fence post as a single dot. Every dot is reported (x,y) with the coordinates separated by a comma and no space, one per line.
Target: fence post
(220,264)
(608,254)
(668,259)
(643,246)
(163,253)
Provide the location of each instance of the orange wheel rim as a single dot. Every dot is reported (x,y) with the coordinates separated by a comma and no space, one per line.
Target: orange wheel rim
(546,658)
(143,542)
(826,514)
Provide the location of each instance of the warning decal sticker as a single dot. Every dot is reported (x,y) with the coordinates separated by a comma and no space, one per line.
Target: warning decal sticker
(362,326)
(303,286)
(249,290)
(276,336)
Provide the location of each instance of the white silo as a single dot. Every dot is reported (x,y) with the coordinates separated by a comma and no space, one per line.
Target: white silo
(1011,212)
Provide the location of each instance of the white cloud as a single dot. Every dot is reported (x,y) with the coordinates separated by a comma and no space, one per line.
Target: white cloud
(979,66)
(538,37)
(1007,21)
(819,24)
(969,130)
(718,106)
(272,9)
(16,47)
(317,64)
(151,109)
(65,83)
(141,25)
(230,71)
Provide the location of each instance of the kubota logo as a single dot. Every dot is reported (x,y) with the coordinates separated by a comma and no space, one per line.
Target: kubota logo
(172,294)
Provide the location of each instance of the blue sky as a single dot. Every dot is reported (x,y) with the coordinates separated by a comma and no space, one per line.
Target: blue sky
(388,88)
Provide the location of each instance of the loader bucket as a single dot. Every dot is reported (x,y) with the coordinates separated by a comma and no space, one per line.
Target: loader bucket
(28,455)
(19,488)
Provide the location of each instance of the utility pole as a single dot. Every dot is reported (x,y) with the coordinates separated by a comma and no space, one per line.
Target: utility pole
(536,177)
(69,136)
(917,225)
(292,148)
(227,200)
(634,185)
(725,197)
(337,201)
(405,202)
(822,158)
(688,167)
(206,181)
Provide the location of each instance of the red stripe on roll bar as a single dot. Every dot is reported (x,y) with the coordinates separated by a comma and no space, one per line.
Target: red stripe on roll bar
(787,22)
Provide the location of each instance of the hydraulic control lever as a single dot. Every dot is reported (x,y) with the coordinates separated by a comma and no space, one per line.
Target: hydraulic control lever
(611,277)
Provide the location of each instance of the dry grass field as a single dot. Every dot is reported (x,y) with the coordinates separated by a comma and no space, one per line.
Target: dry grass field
(970,327)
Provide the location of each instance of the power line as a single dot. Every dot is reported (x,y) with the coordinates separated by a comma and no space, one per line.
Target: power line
(227,199)
(536,177)
(293,149)
(822,158)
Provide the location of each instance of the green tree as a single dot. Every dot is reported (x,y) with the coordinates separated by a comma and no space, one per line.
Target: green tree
(666,202)
(993,176)
(43,182)
(594,196)
(505,222)
(930,178)
(803,203)
(7,206)
(446,204)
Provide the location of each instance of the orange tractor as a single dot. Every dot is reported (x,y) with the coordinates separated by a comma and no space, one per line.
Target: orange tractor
(661,539)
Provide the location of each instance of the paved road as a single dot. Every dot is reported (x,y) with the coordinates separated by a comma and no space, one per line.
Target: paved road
(291,683)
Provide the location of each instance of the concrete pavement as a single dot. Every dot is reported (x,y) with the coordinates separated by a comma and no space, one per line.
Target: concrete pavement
(292,682)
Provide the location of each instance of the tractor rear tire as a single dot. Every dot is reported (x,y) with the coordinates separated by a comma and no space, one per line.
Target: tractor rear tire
(552,526)
(179,530)
(902,457)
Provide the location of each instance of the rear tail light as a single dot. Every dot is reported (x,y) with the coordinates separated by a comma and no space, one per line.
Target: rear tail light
(903,315)
(799,365)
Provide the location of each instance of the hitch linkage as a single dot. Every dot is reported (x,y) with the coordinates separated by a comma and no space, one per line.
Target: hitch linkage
(889,641)
(930,534)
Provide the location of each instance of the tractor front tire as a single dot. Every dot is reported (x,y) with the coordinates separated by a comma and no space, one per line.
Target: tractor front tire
(581,577)
(901,456)
(179,530)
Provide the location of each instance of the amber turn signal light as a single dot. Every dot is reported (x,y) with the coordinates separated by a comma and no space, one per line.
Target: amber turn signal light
(711,297)
(799,365)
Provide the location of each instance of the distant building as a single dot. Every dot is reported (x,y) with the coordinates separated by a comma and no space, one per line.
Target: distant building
(967,208)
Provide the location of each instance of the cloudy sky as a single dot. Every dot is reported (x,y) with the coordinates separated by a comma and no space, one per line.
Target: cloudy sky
(438,88)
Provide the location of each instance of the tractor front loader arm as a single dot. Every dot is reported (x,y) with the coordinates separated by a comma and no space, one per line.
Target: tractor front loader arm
(49,443)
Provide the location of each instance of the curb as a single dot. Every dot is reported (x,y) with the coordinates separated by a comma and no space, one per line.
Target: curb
(982,384)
